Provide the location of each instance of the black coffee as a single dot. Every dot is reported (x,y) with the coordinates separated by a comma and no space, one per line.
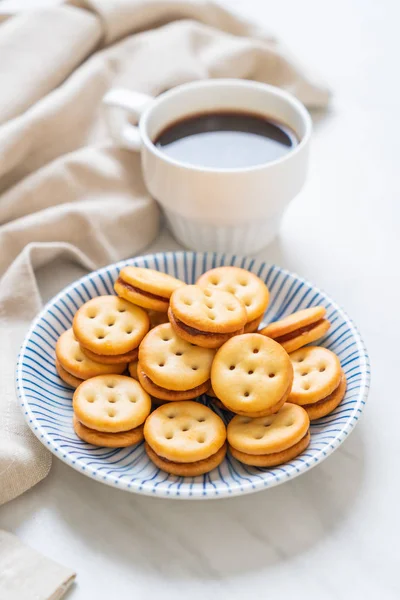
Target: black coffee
(226,140)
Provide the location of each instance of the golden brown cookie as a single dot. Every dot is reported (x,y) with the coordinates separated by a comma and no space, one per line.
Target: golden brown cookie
(246,286)
(171,368)
(298,329)
(327,405)
(109,359)
(206,317)
(269,441)
(109,440)
(185,438)
(146,287)
(111,403)
(67,377)
(71,358)
(133,370)
(317,373)
(252,375)
(108,325)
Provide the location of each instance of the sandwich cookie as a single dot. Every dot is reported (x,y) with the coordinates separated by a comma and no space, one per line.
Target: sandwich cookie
(146,287)
(319,383)
(252,375)
(206,317)
(74,366)
(269,441)
(171,368)
(107,406)
(299,328)
(246,286)
(185,438)
(110,329)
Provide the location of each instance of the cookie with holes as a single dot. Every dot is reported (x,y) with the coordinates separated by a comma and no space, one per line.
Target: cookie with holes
(146,287)
(298,329)
(252,375)
(110,329)
(71,359)
(110,404)
(185,438)
(270,441)
(319,383)
(206,317)
(246,286)
(170,368)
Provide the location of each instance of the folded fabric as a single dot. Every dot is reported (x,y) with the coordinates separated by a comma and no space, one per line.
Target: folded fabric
(26,574)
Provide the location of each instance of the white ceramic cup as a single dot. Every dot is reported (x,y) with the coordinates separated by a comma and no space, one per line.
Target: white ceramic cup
(228,210)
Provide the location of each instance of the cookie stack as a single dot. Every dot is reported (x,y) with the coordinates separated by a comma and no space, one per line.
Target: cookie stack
(110,410)
(175,342)
(170,368)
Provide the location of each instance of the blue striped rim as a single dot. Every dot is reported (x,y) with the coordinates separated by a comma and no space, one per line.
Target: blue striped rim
(46,400)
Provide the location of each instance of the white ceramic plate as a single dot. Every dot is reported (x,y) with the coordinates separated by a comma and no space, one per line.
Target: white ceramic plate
(46,400)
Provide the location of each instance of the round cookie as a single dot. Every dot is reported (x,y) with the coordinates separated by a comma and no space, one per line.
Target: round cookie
(111,403)
(146,287)
(185,438)
(71,358)
(327,405)
(272,440)
(206,317)
(252,375)
(317,373)
(108,325)
(246,286)
(298,329)
(67,377)
(109,440)
(173,363)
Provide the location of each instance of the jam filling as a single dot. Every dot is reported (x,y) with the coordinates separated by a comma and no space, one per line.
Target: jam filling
(194,331)
(196,462)
(132,288)
(294,334)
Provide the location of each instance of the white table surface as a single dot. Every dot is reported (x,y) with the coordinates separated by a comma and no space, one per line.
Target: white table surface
(332,533)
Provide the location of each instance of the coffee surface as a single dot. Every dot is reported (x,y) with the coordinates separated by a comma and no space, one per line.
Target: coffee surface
(226,140)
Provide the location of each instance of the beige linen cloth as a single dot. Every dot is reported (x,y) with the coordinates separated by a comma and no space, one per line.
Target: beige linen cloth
(66,194)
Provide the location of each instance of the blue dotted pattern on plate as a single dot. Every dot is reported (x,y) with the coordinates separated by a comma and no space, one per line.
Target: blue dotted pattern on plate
(46,400)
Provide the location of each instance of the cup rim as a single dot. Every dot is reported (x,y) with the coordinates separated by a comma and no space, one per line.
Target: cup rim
(265,87)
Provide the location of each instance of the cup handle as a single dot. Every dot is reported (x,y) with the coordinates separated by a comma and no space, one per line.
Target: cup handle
(119,104)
